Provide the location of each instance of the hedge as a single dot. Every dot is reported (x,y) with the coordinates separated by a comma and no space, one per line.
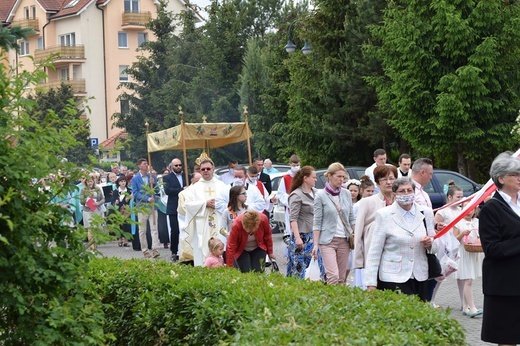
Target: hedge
(158,303)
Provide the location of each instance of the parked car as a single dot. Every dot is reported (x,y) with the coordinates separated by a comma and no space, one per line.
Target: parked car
(435,187)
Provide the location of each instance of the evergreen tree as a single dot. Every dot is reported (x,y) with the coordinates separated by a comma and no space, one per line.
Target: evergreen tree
(449,77)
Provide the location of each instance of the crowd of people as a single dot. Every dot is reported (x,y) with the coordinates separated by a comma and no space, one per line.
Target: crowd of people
(381,227)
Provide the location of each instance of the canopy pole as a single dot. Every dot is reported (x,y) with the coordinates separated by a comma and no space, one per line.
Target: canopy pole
(150,170)
(181,115)
(248,139)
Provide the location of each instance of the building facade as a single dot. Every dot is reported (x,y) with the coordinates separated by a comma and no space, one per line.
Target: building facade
(90,44)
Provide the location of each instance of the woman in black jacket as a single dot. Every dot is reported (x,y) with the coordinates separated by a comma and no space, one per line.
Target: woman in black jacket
(499,229)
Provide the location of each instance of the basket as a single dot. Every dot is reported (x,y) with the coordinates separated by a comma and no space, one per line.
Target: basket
(473,248)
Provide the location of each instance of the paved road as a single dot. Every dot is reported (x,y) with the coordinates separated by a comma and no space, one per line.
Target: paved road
(447,297)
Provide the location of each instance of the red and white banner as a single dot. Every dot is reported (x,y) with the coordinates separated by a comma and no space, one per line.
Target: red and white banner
(476,199)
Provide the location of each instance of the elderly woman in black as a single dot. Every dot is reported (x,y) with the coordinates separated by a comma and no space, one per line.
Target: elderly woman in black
(499,228)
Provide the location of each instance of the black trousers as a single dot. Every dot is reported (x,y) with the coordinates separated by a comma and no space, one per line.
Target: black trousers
(174,233)
(251,261)
(412,286)
(162,227)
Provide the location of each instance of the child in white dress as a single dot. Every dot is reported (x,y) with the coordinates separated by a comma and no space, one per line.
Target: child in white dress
(450,245)
(466,231)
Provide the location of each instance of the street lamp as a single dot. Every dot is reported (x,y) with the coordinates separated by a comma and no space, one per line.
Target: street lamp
(290,47)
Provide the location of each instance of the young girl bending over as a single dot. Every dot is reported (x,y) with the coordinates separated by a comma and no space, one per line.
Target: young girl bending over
(215,259)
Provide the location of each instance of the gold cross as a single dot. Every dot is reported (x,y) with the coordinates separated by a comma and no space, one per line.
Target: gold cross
(204,118)
(210,191)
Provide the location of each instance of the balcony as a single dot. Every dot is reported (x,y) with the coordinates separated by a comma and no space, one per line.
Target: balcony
(61,54)
(32,23)
(78,85)
(135,20)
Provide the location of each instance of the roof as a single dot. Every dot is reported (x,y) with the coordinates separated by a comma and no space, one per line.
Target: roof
(60,8)
(70,7)
(5,8)
(110,142)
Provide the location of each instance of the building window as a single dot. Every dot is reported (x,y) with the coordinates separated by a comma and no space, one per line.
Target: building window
(39,43)
(67,39)
(142,37)
(122,39)
(33,12)
(64,73)
(24,48)
(26,12)
(125,106)
(131,5)
(123,75)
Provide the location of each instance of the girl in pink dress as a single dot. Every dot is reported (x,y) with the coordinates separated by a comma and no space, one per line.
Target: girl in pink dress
(215,259)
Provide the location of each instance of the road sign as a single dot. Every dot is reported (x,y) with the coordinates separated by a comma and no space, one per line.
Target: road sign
(94,143)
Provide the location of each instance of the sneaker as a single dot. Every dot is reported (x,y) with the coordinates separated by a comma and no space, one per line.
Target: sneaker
(147,254)
(156,253)
(286,238)
(174,259)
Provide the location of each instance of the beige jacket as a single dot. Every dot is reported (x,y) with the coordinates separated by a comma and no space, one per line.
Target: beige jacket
(365,220)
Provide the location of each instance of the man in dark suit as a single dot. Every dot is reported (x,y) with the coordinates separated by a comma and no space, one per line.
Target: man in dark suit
(263,177)
(173,184)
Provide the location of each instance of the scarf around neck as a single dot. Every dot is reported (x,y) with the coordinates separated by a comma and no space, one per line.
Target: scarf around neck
(330,190)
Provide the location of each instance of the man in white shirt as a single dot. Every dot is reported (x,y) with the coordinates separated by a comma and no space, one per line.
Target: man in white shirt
(255,200)
(284,190)
(379,160)
(227,178)
(422,172)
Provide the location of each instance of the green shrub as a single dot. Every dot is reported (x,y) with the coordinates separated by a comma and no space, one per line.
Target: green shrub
(157,303)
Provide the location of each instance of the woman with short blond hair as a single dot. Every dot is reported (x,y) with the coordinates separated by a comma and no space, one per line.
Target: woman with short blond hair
(333,224)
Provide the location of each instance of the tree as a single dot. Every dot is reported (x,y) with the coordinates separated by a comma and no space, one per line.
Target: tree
(149,89)
(60,101)
(42,260)
(9,36)
(331,110)
(197,69)
(449,80)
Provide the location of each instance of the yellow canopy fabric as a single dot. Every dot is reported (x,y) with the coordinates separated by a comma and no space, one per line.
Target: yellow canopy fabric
(198,136)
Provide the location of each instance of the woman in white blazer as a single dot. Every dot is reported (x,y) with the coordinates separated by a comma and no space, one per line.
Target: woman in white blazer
(397,254)
(384,176)
(332,224)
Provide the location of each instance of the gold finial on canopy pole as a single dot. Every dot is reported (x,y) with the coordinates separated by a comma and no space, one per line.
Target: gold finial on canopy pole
(247,129)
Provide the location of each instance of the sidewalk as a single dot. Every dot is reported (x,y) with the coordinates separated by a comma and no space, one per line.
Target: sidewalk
(447,297)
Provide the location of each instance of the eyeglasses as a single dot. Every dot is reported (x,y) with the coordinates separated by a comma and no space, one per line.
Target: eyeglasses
(384,180)
(516,175)
(243,193)
(205,169)
(177,165)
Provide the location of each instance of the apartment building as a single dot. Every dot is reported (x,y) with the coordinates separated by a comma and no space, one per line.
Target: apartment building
(91,43)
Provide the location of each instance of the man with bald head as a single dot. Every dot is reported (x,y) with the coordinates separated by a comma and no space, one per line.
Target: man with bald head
(174,183)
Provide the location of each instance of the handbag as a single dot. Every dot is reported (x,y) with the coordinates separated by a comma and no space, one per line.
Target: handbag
(343,221)
(434,265)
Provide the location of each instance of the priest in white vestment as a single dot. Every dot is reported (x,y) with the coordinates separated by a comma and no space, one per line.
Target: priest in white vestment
(202,212)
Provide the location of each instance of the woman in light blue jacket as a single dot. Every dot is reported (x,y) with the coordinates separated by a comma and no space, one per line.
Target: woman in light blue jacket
(333,224)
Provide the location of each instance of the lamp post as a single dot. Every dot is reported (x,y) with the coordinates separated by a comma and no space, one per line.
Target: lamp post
(290,47)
